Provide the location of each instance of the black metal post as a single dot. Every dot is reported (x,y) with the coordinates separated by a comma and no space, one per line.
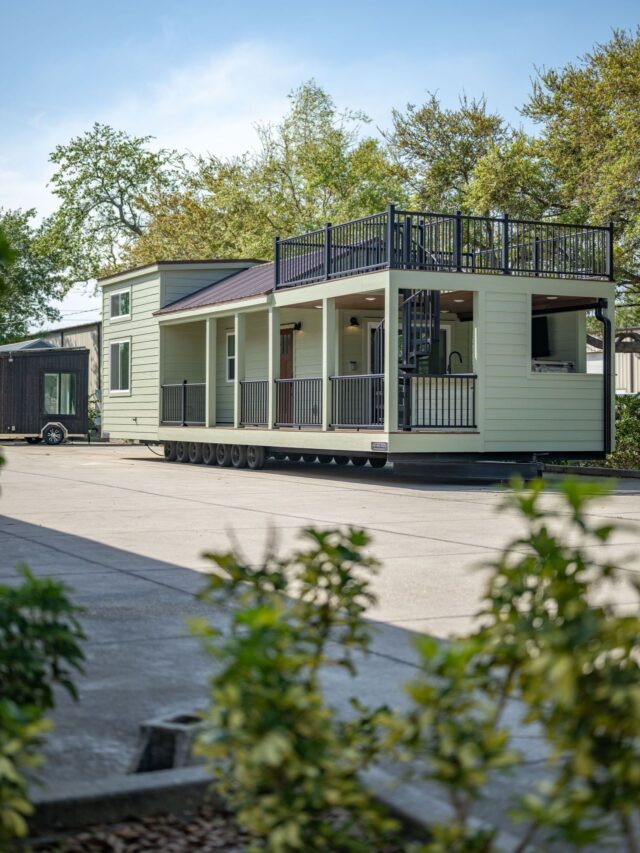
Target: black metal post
(327,250)
(406,243)
(505,245)
(536,256)
(276,260)
(406,403)
(184,402)
(457,241)
(391,223)
(610,252)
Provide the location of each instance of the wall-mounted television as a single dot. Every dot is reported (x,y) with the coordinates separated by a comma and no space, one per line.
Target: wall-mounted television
(540,337)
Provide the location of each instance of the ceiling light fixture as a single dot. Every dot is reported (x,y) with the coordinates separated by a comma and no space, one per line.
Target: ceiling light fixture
(371,298)
(458,300)
(552,297)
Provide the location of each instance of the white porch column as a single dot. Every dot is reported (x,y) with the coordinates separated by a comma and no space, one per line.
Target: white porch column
(273,361)
(239,331)
(390,357)
(328,357)
(210,370)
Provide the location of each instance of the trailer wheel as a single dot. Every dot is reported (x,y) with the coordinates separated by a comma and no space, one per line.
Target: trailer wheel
(359,461)
(324,459)
(279,457)
(53,434)
(255,457)
(195,452)
(309,457)
(377,461)
(239,455)
(209,454)
(341,460)
(223,455)
(182,451)
(294,457)
(170,451)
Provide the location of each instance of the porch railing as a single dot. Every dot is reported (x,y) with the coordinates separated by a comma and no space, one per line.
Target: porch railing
(254,402)
(447,401)
(298,402)
(404,239)
(357,401)
(184,403)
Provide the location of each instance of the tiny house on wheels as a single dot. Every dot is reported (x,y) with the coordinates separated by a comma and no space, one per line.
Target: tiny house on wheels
(401,336)
(43,392)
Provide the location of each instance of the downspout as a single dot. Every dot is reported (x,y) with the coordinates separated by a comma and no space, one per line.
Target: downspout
(606,367)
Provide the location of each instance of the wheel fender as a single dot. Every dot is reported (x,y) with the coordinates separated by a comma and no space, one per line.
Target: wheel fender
(65,431)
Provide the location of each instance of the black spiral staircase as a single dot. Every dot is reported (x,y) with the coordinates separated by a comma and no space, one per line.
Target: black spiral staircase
(419,330)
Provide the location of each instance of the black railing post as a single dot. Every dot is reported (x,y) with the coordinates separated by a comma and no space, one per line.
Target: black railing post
(391,224)
(536,255)
(276,260)
(457,241)
(327,250)
(406,243)
(184,402)
(610,252)
(505,245)
(406,403)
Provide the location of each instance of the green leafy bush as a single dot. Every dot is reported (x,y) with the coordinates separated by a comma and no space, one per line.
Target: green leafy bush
(39,649)
(574,666)
(627,449)
(284,762)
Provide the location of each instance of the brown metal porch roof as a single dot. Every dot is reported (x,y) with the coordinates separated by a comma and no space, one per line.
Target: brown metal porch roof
(254,281)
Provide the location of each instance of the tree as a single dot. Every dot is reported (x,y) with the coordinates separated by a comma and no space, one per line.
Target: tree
(32,280)
(314,166)
(438,149)
(104,180)
(7,257)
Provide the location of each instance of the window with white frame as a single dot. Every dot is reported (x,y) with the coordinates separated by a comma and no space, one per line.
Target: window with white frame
(231,356)
(120,305)
(120,367)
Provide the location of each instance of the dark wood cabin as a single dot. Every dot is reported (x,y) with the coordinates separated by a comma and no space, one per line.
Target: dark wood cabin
(41,385)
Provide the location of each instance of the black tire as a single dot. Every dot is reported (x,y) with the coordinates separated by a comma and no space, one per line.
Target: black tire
(223,455)
(182,451)
(195,452)
(341,460)
(309,457)
(294,457)
(239,456)
(377,461)
(255,457)
(33,439)
(359,461)
(170,451)
(209,454)
(53,435)
(279,457)
(324,459)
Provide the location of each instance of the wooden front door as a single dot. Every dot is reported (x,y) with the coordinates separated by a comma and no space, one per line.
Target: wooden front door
(285,389)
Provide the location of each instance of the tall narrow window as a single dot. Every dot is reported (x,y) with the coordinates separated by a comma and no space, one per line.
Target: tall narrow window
(120,305)
(59,394)
(231,356)
(119,366)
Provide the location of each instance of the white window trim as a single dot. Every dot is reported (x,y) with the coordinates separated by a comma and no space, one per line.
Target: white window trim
(117,392)
(119,317)
(227,357)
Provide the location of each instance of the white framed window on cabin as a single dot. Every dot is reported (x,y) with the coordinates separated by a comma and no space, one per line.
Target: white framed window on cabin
(231,356)
(120,305)
(120,367)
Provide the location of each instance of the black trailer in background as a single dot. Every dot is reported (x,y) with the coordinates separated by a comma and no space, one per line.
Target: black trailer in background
(43,392)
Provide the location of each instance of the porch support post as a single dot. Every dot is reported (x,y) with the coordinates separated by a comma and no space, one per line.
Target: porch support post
(210,370)
(273,361)
(328,357)
(239,331)
(390,356)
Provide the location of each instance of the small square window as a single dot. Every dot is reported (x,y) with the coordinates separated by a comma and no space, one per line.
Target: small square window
(120,305)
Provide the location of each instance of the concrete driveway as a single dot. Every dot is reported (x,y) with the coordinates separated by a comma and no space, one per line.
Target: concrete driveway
(126,531)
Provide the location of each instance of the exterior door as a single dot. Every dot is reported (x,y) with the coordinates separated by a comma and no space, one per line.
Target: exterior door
(285,389)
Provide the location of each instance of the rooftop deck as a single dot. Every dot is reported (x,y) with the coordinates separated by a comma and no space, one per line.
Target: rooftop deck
(412,240)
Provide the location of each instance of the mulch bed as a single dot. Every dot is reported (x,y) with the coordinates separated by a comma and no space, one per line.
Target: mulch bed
(208,830)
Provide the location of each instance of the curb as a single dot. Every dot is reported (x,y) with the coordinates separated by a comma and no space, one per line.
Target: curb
(623,473)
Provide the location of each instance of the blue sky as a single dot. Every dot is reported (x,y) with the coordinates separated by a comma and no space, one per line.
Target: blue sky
(197,75)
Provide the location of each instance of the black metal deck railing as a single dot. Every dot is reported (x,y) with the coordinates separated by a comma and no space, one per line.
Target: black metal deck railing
(447,401)
(184,403)
(298,402)
(402,239)
(357,402)
(254,402)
